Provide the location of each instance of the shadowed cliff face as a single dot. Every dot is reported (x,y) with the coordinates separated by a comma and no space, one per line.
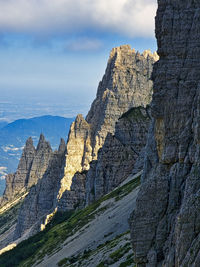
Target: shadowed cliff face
(41,199)
(32,166)
(119,154)
(166,223)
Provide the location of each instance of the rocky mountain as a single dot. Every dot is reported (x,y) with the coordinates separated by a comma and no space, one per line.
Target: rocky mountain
(126,84)
(14,135)
(115,161)
(166,223)
(97,235)
(71,176)
(119,154)
(101,152)
(32,166)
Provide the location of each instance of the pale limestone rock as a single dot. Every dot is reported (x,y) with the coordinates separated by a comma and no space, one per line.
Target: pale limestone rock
(40,161)
(16,183)
(41,199)
(32,166)
(126,84)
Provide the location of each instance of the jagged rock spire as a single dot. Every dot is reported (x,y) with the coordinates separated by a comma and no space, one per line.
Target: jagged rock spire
(32,166)
(126,83)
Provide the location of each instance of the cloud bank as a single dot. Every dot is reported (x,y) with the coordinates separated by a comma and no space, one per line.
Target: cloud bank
(133,18)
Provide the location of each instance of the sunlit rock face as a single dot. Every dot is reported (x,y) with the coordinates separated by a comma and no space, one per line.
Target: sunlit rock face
(165,226)
(126,84)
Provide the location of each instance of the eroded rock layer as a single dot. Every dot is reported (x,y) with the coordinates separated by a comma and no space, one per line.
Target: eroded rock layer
(118,155)
(166,223)
(41,199)
(32,166)
(126,84)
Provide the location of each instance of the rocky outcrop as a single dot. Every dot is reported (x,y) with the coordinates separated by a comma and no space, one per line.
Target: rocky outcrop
(40,161)
(165,226)
(118,155)
(126,84)
(32,166)
(75,197)
(16,183)
(41,199)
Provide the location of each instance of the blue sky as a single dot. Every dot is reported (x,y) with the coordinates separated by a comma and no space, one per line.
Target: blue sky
(58,49)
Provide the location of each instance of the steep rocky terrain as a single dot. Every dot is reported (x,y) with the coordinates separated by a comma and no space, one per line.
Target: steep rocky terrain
(42,196)
(101,150)
(115,161)
(126,84)
(120,152)
(97,235)
(13,137)
(31,168)
(166,223)
(127,78)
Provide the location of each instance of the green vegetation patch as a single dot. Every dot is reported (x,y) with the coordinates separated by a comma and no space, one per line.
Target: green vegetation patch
(136,113)
(58,230)
(120,252)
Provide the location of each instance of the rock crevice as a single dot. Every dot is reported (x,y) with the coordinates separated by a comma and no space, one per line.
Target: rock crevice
(166,225)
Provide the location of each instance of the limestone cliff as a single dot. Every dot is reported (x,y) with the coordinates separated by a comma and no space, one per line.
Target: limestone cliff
(118,155)
(41,199)
(32,165)
(126,84)
(166,223)
(16,183)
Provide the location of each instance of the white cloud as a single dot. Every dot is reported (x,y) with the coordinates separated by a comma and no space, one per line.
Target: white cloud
(11,148)
(84,44)
(3,172)
(130,17)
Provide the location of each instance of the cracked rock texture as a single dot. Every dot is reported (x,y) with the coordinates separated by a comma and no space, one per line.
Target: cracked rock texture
(75,197)
(32,166)
(165,227)
(126,84)
(41,199)
(118,155)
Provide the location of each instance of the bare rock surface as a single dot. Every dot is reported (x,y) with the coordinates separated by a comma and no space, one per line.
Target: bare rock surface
(119,153)
(166,224)
(41,199)
(32,166)
(126,84)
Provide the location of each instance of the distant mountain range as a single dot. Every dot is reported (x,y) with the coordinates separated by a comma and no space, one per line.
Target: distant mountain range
(14,135)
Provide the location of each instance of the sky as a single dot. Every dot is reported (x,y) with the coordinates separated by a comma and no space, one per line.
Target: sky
(55,51)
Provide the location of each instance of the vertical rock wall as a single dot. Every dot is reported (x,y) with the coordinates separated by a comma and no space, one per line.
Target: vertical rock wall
(32,166)
(126,84)
(165,226)
(118,155)
(41,199)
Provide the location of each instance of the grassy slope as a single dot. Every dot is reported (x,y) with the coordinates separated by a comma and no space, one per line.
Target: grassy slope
(117,251)
(61,227)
